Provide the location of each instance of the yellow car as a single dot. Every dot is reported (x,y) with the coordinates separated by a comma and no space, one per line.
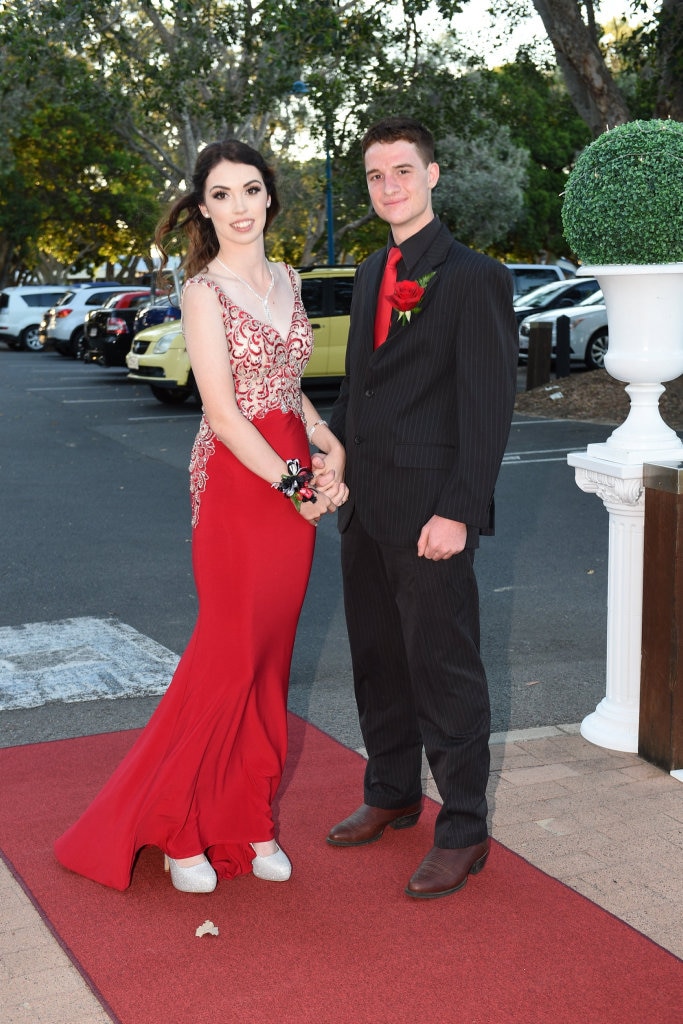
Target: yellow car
(158,356)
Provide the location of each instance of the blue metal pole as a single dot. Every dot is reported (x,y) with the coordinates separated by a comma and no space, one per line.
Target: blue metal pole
(330,211)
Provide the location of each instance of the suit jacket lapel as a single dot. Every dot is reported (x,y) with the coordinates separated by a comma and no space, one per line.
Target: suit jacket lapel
(428,263)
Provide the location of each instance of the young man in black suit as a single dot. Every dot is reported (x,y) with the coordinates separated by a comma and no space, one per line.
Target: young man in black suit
(424,412)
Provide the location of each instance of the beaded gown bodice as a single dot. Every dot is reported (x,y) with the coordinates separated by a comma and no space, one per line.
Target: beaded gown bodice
(266,367)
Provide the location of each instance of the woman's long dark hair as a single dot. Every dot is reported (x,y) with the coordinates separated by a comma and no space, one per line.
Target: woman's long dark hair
(185,217)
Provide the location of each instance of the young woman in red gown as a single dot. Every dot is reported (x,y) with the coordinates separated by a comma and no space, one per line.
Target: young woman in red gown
(200,781)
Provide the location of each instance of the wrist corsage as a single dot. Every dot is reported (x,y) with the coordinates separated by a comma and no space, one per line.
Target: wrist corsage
(408,295)
(294,484)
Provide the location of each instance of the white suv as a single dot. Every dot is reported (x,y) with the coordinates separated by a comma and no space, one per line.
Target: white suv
(63,324)
(21,310)
(526,276)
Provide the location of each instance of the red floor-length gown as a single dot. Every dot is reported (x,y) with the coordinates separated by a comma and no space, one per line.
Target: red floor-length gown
(203,773)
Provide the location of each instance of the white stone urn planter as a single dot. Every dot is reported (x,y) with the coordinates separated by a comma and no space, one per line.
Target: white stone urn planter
(645,319)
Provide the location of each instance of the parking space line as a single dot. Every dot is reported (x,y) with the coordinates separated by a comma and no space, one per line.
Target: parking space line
(544,451)
(519,460)
(535,422)
(556,455)
(162,416)
(98,401)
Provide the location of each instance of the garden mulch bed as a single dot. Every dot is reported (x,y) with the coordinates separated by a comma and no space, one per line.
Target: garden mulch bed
(596,397)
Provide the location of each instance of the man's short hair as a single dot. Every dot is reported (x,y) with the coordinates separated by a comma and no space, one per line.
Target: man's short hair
(395,129)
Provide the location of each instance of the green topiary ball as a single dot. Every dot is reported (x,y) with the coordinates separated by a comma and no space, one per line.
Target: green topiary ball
(624,198)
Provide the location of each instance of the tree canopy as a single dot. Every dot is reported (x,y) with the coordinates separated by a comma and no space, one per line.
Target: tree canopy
(598,87)
(129,91)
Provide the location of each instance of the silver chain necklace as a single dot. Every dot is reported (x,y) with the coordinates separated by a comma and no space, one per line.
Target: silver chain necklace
(262,299)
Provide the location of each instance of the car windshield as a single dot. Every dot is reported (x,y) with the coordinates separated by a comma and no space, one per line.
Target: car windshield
(540,295)
(596,299)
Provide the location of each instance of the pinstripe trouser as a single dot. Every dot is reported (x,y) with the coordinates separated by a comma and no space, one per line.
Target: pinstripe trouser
(419,680)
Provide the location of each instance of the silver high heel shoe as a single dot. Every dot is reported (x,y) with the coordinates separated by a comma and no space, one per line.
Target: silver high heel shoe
(196,878)
(276,867)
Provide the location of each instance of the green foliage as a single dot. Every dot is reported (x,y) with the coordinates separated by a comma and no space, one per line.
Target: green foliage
(534,104)
(95,203)
(169,77)
(72,194)
(631,56)
(480,193)
(624,199)
(130,90)
(646,59)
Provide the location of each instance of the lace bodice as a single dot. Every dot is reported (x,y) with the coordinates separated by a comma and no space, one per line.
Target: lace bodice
(266,367)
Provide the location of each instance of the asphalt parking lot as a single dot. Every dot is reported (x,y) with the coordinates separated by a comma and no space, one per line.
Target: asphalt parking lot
(96,524)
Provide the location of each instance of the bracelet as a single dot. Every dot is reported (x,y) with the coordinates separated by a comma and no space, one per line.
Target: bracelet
(318,423)
(294,483)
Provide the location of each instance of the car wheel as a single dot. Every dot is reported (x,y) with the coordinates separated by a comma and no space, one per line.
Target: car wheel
(29,339)
(596,350)
(170,396)
(77,344)
(195,390)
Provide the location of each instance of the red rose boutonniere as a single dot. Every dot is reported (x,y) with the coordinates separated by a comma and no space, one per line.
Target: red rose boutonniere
(407,297)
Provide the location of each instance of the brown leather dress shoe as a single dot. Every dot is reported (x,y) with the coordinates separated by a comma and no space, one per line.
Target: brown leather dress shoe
(368,823)
(446,871)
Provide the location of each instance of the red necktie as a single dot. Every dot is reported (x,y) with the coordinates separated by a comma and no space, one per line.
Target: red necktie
(386,288)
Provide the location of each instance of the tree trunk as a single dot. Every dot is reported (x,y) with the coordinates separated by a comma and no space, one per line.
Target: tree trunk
(593,91)
(670,59)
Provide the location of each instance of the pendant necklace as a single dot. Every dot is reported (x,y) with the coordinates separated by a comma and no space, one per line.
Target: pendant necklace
(262,299)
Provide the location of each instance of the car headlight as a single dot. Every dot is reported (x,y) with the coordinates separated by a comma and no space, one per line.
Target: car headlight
(164,343)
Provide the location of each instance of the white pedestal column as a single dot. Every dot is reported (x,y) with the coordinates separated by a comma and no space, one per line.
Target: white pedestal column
(614,723)
(645,312)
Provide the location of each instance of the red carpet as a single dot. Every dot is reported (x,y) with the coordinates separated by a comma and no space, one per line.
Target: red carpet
(340,942)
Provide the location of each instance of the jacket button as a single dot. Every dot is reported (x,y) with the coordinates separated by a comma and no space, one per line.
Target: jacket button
(369,393)
(358,439)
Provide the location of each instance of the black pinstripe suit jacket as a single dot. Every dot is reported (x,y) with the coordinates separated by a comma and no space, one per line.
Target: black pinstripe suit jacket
(426,417)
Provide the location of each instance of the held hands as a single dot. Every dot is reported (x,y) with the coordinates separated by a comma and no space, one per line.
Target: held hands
(441,538)
(330,492)
(328,478)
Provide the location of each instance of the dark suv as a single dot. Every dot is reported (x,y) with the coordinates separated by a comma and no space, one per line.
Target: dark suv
(108,332)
